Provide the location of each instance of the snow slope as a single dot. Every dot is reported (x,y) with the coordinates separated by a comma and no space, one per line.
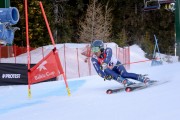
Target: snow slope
(88,100)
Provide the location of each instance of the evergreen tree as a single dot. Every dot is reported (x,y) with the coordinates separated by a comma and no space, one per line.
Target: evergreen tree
(122,41)
(96,25)
(107,22)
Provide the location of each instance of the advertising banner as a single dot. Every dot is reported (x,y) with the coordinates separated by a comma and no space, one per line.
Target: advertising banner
(14,74)
(46,69)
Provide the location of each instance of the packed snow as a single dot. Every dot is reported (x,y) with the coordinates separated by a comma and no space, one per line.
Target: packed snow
(89,101)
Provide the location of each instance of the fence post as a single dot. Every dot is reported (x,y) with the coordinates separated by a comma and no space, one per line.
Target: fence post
(124,56)
(0,53)
(89,62)
(116,51)
(129,57)
(22,49)
(119,54)
(42,51)
(78,62)
(14,49)
(65,58)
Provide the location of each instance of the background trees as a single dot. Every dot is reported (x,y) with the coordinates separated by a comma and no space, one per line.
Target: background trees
(120,21)
(97,24)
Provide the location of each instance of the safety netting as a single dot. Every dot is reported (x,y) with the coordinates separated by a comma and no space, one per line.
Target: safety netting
(75,58)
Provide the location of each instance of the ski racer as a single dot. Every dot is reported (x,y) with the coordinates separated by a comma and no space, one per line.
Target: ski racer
(109,67)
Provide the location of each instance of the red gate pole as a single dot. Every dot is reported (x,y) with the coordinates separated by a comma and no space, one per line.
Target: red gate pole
(47,24)
(28,51)
(52,40)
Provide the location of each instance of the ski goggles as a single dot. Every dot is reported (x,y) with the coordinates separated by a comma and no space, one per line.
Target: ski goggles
(95,49)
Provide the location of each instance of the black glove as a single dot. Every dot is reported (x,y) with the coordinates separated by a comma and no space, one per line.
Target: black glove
(108,77)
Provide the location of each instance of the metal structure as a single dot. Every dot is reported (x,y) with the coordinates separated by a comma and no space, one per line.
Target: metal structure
(8,16)
(156,55)
(155,4)
(173,5)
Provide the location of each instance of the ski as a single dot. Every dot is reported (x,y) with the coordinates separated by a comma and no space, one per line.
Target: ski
(137,86)
(132,88)
(141,86)
(111,91)
(127,89)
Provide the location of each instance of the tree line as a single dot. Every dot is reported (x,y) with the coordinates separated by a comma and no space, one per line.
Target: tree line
(75,21)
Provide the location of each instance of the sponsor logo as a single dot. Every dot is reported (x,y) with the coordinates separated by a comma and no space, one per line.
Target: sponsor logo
(44,72)
(41,76)
(42,66)
(11,76)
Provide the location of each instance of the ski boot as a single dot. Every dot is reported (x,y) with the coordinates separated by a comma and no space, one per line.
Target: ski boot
(127,83)
(124,81)
(144,79)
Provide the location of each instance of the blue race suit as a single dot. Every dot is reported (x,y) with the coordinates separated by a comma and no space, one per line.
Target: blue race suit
(117,70)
